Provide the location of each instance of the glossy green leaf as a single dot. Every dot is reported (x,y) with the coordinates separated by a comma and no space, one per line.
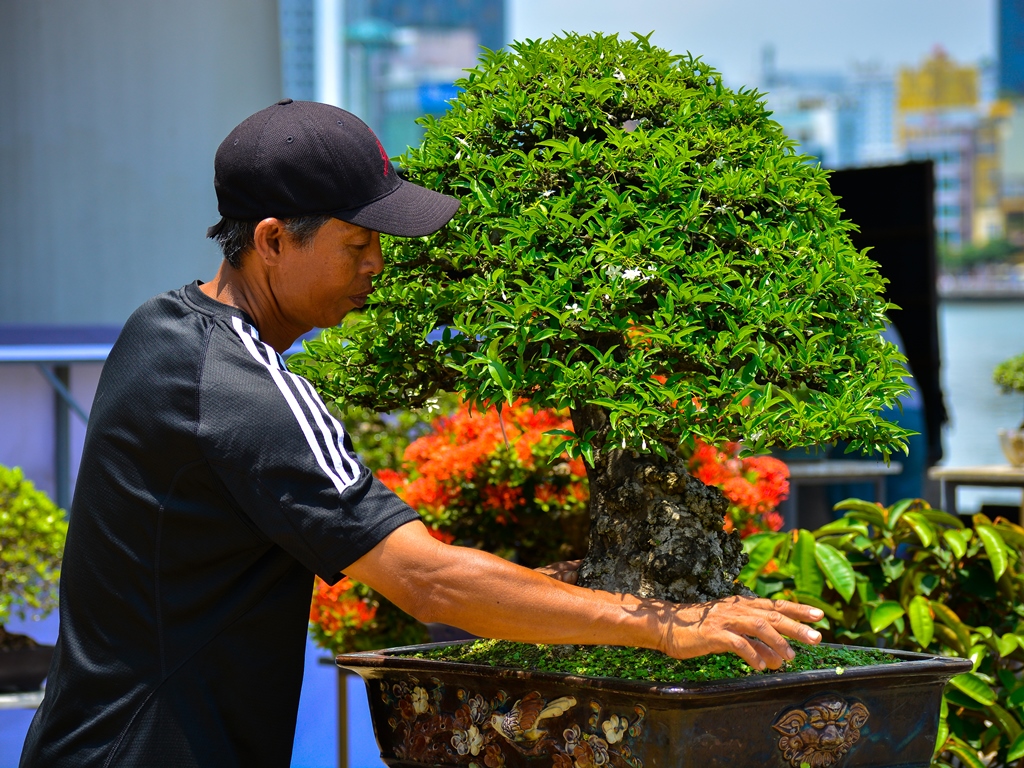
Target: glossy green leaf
(1016,699)
(948,617)
(807,575)
(885,614)
(977,655)
(995,548)
(956,542)
(975,687)
(807,599)
(762,554)
(1016,750)
(837,569)
(862,510)
(958,698)
(941,735)
(921,621)
(1007,723)
(967,754)
(920,525)
(1012,533)
(950,639)
(1007,644)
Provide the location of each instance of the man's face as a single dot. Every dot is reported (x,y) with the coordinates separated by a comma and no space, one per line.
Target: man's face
(317,285)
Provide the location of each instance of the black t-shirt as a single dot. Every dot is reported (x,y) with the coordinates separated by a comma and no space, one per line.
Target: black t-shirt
(213,484)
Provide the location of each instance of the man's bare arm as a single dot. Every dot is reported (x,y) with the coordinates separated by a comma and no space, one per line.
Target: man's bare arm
(490,597)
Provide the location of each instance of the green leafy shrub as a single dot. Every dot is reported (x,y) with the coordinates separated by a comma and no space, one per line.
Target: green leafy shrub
(32,533)
(915,578)
(1009,376)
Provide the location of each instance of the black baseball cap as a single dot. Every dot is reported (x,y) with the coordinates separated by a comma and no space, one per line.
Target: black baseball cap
(303,158)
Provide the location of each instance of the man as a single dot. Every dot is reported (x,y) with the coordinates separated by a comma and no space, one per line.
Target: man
(214,484)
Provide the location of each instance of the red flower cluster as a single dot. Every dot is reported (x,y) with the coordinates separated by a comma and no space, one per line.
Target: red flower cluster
(754,485)
(483,478)
(338,610)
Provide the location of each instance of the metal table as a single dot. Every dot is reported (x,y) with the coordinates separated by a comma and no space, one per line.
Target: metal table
(830,472)
(988,476)
(29,700)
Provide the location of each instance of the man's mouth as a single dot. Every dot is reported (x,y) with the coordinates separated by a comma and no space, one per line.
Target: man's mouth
(360,298)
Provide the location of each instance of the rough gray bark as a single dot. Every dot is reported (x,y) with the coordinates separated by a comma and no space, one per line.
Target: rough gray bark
(656,531)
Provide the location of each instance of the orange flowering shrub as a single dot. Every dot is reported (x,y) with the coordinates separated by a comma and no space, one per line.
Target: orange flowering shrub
(754,485)
(484,480)
(481,480)
(350,616)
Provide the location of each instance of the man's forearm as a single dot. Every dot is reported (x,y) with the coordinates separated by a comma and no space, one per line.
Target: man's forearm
(491,597)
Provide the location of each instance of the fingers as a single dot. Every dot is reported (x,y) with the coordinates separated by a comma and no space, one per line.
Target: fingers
(566,571)
(754,629)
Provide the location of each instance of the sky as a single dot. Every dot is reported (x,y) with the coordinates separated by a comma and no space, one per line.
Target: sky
(806,34)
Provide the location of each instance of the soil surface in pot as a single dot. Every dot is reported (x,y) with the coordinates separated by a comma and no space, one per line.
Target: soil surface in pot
(643,664)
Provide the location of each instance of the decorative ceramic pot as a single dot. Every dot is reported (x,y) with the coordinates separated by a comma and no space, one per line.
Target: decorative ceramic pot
(1012,442)
(432,713)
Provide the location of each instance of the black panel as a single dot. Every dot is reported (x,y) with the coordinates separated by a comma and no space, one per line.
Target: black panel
(893,207)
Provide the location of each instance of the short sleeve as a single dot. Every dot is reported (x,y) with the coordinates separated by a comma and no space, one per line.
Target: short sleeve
(286,461)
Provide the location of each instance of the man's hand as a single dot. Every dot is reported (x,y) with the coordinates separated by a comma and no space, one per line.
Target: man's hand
(755,629)
(566,571)
(427,579)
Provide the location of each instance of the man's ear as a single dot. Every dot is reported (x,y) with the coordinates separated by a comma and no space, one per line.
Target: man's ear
(269,241)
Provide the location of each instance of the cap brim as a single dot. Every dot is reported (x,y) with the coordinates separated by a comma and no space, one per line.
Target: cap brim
(408,211)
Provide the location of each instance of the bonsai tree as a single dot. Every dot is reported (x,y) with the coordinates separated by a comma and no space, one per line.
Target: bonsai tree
(32,533)
(1009,377)
(643,246)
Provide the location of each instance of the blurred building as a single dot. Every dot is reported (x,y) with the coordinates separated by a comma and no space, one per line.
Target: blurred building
(388,61)
(403,57)
(297,19)
(1011,48)
(842,119)
(938,111)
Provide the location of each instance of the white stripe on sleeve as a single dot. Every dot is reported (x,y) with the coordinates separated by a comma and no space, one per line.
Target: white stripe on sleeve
(276,374)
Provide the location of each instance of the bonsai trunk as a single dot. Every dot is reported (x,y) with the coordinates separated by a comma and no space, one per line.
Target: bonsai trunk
(656,531)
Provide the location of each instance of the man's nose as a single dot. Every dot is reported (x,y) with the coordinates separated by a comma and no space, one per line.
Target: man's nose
(374,261)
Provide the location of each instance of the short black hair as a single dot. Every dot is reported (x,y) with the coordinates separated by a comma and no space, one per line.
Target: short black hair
(236,237)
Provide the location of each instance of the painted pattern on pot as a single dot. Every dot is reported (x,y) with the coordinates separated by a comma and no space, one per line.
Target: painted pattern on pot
(820,732)
(481,732)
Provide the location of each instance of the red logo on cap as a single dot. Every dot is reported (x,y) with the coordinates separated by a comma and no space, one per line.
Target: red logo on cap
(383,155)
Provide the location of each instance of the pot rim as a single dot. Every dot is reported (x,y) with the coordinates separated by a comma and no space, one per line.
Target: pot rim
(373,664)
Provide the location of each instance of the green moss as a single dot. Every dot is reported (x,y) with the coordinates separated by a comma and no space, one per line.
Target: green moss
(643,664)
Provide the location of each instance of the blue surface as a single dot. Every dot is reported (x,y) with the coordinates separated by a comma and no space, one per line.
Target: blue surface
(316,734)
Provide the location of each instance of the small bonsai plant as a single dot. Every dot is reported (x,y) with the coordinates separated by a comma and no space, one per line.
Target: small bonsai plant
(1009,377)
(32,533)
(642,246)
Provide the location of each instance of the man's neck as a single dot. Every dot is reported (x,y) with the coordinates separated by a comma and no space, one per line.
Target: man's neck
(236,289)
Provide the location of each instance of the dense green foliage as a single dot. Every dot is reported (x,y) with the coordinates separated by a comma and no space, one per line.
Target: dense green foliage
(633,236)
(915,578)
(32,532)
(642,663)
(1009,374)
